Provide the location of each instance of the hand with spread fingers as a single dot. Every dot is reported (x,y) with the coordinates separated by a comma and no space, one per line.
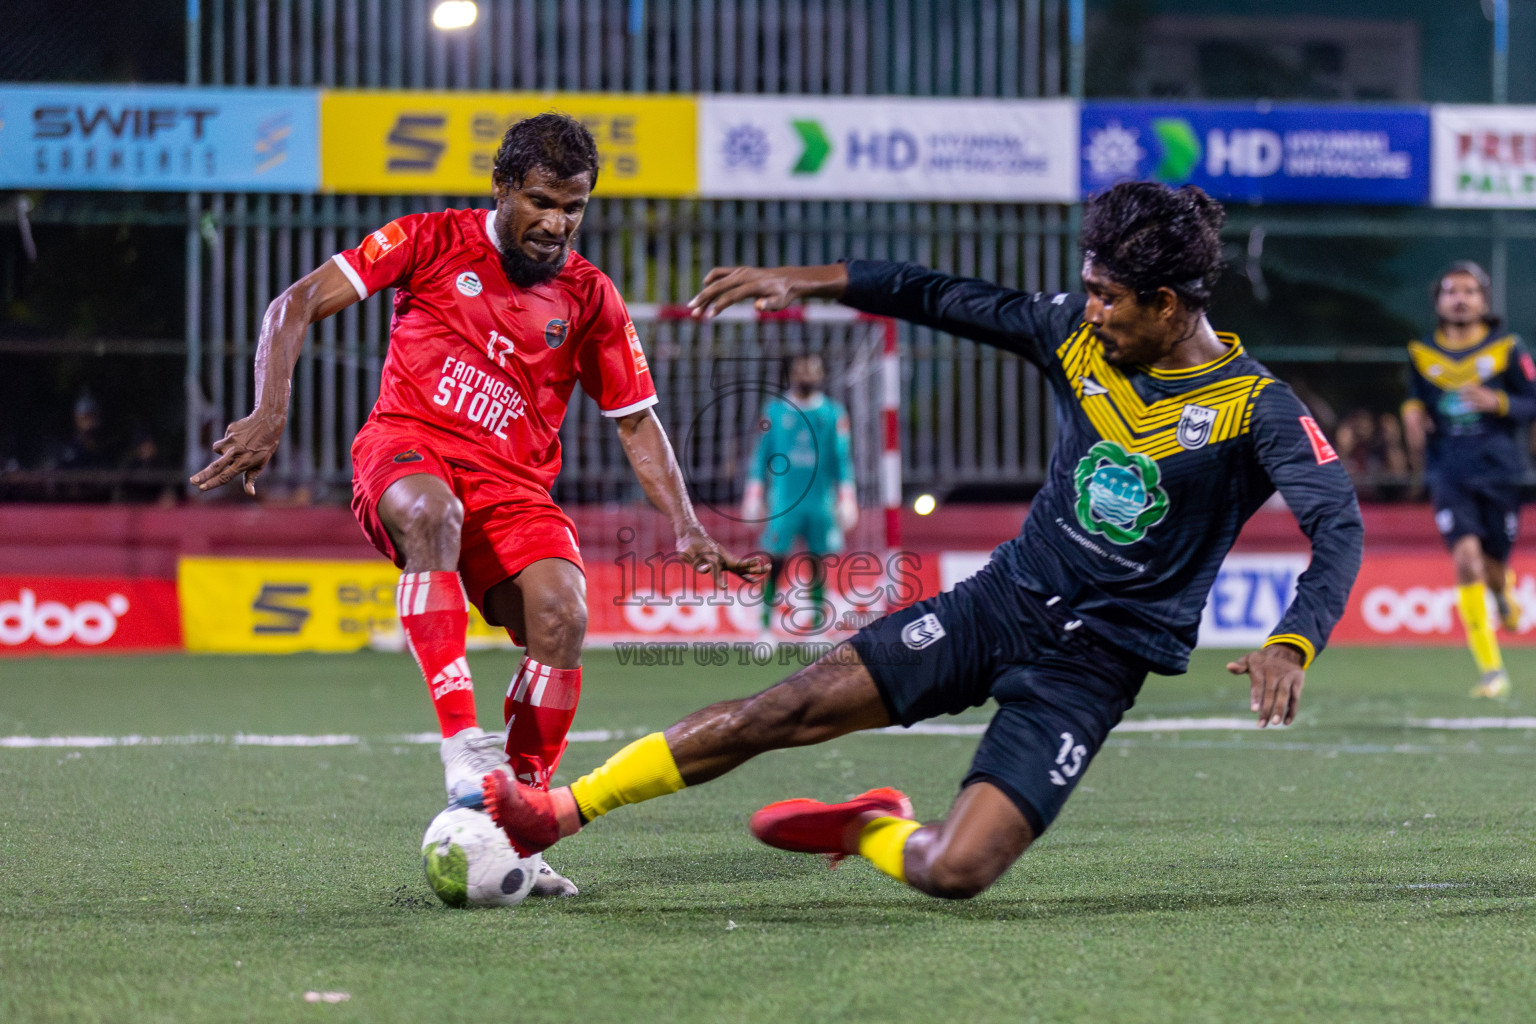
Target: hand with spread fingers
(769,288)
(1275,678)
(705,554)
(245,449)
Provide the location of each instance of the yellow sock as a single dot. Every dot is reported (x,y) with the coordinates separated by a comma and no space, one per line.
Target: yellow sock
(640,771)
(884,842)
(1473,599)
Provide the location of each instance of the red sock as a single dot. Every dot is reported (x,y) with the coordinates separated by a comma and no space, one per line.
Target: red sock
(540,705)
(435,616)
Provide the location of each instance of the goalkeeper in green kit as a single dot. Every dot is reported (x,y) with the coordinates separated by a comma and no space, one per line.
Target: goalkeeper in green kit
(800,485)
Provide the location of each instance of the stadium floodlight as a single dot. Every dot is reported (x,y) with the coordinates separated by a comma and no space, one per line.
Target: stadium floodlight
(454,14)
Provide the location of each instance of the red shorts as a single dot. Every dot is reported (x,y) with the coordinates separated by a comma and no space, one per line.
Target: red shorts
(507,525)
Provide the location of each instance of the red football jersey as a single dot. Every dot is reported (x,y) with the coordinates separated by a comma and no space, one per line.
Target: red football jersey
(488,367)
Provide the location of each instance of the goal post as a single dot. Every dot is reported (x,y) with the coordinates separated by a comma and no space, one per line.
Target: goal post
(716,376)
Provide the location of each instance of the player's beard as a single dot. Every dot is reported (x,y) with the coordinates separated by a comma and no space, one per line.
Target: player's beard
(525,271)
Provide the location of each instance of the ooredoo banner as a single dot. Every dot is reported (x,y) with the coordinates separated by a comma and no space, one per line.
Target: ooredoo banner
(82,615)
(1262,153)
(889,147)
(148,138)
(1484,156)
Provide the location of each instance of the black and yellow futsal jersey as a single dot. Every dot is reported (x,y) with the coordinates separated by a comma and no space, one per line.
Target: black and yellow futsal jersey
(1467,444)
(1153,472)
(1473,461)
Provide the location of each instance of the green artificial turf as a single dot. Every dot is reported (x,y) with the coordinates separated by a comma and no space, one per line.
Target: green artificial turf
(1351,868)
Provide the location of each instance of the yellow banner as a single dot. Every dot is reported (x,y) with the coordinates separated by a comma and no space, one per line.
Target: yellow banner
(444,143)
(279,606)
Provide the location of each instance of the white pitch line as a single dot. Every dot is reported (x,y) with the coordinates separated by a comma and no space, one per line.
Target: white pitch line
(241,739)
(1526,722)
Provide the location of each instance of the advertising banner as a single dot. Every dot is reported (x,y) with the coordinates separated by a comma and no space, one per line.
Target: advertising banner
(444,143)
(148,138)
(1484,156)
(86,615)
(829,147)
(1261,154)
(279,606)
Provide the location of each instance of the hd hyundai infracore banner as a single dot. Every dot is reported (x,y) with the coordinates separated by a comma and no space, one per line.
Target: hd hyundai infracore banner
(1267,153)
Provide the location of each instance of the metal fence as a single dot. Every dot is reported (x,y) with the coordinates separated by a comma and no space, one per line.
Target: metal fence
(971,415)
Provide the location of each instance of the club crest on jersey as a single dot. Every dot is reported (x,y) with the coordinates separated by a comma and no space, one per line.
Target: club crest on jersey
(923,632)
(469,283)
(1118,496)
(1195,425)
(554,332)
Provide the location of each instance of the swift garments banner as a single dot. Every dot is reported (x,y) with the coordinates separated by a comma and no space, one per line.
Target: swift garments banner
(148,138)
(444,143)
(85,615)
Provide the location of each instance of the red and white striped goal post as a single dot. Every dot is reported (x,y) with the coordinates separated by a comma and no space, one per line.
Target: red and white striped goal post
(890,380)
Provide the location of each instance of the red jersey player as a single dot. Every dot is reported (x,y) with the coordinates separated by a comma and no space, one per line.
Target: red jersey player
(496,320)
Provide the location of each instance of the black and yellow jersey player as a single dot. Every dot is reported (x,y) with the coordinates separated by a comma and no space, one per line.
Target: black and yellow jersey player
(1168,436)
(1472,392)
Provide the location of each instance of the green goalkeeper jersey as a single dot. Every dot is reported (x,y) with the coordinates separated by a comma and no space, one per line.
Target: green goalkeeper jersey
(803,457)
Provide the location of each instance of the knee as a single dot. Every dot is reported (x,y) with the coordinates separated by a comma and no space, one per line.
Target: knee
(560,624)
(950,879)
(434,515)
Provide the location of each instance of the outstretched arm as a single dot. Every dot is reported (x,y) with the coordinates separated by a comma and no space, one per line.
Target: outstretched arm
(248,444)
(650,455)
(1305,469)
(1030,324)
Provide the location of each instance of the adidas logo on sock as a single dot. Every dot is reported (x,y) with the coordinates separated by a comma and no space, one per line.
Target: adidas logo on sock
(454,677)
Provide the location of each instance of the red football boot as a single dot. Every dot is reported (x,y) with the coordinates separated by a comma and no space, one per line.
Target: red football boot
(525,814)
(810,826)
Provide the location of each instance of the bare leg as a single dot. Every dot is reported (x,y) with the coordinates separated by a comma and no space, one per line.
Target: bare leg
(545,604)
(1467,553)
(827,699)
(423,519)
(961,856)
(1495,573)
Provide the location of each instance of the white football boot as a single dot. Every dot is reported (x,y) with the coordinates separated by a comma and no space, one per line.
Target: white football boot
(549,882)
(469,755)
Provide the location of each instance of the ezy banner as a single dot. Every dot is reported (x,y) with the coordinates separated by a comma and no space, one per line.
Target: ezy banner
(1265,153)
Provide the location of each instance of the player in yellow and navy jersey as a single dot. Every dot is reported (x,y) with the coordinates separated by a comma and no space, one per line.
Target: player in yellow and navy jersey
(1169,436)
(1471,393)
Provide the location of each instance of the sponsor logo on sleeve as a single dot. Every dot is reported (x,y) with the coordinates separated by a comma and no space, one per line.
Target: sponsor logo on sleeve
(923,632)
(383,240)
(409,456)
(641,366)
(1321,449)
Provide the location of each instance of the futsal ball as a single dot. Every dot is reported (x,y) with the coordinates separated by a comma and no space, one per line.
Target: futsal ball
(470,863)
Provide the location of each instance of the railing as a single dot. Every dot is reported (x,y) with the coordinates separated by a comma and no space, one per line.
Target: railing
(242,250)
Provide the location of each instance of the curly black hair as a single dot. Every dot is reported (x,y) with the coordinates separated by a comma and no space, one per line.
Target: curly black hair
(556,142)
(1145,236)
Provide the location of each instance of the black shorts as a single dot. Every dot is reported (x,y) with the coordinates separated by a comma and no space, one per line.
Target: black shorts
(1060,689)
(1486,509)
